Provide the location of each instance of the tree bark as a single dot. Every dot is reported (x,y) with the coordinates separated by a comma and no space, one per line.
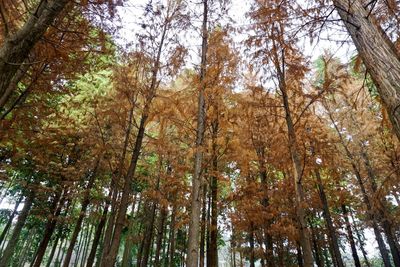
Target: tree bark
(203,227)
(172,237)
(57,204)
(333,240)
(378,53)
(213,250)
(160,234)
(351,237)
(370,212)
(297,166)
(82,214)
(194,222)
(97,236)
(17,47)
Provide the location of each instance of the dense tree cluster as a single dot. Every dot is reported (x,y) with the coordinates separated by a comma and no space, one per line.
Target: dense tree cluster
(251,154)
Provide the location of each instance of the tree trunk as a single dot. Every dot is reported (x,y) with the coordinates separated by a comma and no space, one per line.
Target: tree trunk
(53,251)
(194,222)
(297,166)
(9,250)
(160,234)
(213,250)
(251,241)
(10,220)
(385,222)
(82,214)
(97,236)
(17,47)
(127,256)
(203,227)
(57,204)
(370,212)
(172,237)
(351,237)
(378,53)
(333,240)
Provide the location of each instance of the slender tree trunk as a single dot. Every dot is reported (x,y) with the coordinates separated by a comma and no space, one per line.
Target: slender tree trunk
(351,237)
(82,214)
(53,251)
(370,212)
(57,261)
(361,243)
(86,244)
(333,240)
(10,220)
(58,204)
(317,254)
(127,256)
(203,227)
(26,249)
(251,241)
(378,53)
(297,166)
(160,234)
(213,250)
(108,258)
(97,236)
(9,250)
(17,47)
(299,255)
(194,222)
(172,237)
(385,222)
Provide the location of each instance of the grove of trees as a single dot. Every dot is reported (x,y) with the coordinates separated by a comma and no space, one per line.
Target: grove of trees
(194,140)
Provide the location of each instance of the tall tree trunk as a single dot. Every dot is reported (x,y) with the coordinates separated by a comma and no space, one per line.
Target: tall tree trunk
(370,212)
(260,150)
(203,227)
(360,241)
(385,221)
(57,204)
(317,254)
(213,250)
(82,214)
(53,251)
(160,234)
(17,47)
(9,250)
(127,256)
(333,240)
(194,222)
(351,237)
(109,257)
(252,249)
(97,236)
(297,166)
(378,53)
(10,220)
(172,237)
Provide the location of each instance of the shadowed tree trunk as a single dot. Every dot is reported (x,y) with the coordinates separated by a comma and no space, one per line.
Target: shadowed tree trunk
(82,214)
(351,237)
(377,52)
(370,212)
(333,240)
(17,47)
(10,220)
(194,223)
(58,204)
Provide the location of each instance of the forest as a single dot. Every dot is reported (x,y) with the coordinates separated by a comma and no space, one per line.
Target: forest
(171,133)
